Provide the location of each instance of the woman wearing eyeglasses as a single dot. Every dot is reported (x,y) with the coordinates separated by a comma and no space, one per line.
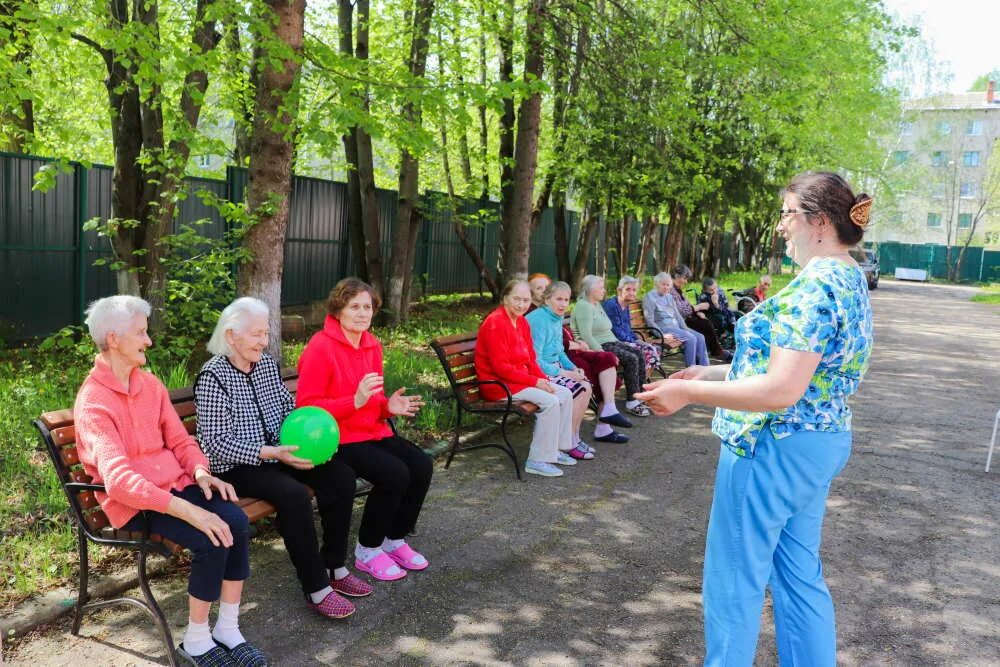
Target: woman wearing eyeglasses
(785,426)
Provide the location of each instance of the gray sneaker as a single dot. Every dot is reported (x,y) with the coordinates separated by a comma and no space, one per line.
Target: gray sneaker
(541,468)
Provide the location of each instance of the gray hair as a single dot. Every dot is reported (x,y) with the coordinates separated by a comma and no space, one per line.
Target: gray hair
(234,317)
(557,286)
(588,283)
(661,278)
(111,314)
(625,281)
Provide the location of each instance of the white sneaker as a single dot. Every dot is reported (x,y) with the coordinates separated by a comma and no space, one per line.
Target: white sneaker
(542,468)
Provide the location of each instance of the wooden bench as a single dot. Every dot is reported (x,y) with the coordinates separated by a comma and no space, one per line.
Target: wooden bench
(59,435)
(457,356)
(651,334)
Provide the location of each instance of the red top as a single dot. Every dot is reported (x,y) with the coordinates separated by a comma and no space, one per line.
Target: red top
(758,294)
(330,370)
(506,353)
(132,442)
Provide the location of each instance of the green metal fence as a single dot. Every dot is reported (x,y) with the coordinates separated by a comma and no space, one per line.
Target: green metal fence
(978,264)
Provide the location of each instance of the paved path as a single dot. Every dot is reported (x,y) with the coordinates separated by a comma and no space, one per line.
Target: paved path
(603,566)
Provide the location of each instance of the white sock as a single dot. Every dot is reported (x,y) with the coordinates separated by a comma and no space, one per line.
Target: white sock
(576,438)
(631,404)
(227,625)
(320,595)
(392,545)
(609,409)
(340,573)
(198,638)
(365,554)
(602,429)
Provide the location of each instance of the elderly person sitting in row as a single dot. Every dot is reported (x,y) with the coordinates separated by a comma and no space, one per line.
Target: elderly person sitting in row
(241,402)
(131,440)
(719,313)
(591,324)
(505,353)
(660,311)
(617,308)
(547,335)
(694,316)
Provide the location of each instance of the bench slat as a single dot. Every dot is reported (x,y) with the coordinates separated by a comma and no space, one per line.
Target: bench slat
(70,456)
(64,435)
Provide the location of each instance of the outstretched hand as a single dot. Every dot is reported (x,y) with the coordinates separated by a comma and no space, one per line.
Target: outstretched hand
(404,406)
(664,397)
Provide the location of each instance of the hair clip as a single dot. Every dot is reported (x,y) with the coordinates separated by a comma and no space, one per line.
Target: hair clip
(860,212)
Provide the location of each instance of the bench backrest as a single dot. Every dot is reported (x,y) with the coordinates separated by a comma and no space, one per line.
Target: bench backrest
(457,355)
(58,432)
(636,318)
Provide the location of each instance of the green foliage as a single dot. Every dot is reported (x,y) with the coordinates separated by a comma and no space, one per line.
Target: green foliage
(990,294)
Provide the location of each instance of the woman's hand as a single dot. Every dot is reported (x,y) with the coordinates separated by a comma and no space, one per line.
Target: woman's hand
(583,345)
(284,454)
(545,385)
(576,345)
(404,406)
(370,385)
(701,306)
(664,397)
(671,340)
(207,522)
(711,373)
(207,482)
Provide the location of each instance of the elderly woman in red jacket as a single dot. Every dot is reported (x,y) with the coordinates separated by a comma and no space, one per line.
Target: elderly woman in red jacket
(340,370)
(506,352)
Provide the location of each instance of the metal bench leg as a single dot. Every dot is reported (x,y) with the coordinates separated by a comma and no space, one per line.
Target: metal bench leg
(154,609)
(454,440)
(510,448)
(82,594)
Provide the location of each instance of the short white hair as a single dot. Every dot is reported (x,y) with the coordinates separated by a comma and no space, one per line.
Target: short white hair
(588,283)
(234,317)
(662,278)
(112,314)
(625,281)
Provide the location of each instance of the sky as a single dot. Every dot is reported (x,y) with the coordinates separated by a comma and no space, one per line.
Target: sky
(965,33)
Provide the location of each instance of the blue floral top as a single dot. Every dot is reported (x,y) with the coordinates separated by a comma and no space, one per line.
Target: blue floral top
(824,309)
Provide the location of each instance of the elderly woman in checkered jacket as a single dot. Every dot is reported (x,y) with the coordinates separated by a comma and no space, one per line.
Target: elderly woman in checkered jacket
(241,402)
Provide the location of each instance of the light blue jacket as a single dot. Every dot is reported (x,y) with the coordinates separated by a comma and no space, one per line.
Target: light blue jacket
(547,335)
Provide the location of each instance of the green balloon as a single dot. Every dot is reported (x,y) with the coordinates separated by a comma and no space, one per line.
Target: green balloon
(314,431)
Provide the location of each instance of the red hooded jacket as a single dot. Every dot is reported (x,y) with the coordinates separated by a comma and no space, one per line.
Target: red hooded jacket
(505,353)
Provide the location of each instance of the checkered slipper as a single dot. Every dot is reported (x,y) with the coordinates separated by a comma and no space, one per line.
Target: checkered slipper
(333,606)
(248,655)
(352,586)
(217,657)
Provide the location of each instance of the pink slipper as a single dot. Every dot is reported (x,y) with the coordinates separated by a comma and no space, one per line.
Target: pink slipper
(379,566)
(408,558)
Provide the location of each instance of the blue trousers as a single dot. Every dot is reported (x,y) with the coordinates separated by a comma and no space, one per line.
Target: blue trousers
(765,529)
(210,565)
(695,348)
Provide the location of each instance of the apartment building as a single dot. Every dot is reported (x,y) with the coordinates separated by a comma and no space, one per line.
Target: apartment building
(944,172)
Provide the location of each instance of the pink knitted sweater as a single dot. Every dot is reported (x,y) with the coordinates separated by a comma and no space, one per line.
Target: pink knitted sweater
(133,442)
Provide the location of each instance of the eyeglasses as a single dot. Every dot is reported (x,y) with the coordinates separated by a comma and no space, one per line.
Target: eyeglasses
(519,299)
(787,212)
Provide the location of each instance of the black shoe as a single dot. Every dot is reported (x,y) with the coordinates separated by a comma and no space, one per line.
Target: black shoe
(726,356)
(617,419)
(614,436)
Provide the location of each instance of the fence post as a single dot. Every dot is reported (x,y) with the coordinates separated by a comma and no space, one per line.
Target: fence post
(81,204)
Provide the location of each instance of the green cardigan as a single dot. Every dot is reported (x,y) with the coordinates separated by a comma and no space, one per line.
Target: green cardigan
(591,324)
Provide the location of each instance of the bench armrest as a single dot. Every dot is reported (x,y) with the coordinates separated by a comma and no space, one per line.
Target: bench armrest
(81,486)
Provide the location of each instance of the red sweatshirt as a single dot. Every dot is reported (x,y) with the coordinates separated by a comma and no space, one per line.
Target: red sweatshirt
(506,353)
(330,370)
(132,442)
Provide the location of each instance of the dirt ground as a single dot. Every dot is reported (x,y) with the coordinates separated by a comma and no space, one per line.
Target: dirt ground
(603,565)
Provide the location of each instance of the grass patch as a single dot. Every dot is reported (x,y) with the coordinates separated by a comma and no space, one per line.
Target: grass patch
(990,294)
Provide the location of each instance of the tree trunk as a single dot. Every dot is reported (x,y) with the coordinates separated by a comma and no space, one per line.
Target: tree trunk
(506,132)
(645,245)
(588,233)
(355,218)
(675,237)
(366,170)
(244,111)
(407,225)
(484,135)
(560,224)
(271,154)
(776,254)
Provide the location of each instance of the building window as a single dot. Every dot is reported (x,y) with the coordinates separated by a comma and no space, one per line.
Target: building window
(204,160)
(974,128)
(964,220)
(967,190)
(944,127)
(899,157)
(938,158)
(933,219)
(970,158)
(905,128)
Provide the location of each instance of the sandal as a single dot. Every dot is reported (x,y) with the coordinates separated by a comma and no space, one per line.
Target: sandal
(248,655)
(581,452)
(406,557)
(379,567)
(641,410)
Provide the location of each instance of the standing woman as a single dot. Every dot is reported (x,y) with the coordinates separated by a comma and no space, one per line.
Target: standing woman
(131,440)
(694,316)
(547,336)
(506,353)
(591,324)
(785,428)
(241,403)
(340,370)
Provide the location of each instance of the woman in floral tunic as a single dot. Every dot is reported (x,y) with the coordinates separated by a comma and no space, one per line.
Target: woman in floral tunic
(785,428)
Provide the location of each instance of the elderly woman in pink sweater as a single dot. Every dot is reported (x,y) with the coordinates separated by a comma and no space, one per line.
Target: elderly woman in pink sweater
(131,440)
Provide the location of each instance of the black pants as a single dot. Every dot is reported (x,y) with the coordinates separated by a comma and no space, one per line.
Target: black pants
(633,364)
(284,487)
(705,328)
(400,473)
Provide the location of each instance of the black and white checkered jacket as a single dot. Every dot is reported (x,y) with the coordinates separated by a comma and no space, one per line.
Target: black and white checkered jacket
(238,413)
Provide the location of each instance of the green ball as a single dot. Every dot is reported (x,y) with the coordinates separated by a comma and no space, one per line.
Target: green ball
(314,431)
